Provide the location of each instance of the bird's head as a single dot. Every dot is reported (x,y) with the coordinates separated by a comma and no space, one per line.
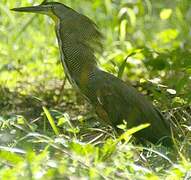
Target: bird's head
(55,10)
(79,27)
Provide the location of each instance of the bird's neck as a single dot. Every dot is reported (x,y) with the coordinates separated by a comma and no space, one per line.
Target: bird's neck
(77,59)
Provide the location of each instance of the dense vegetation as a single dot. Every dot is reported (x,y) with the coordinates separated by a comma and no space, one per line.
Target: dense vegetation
(47,131)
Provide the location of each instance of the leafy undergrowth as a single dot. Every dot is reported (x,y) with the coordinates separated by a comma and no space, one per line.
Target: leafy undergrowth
(54,138)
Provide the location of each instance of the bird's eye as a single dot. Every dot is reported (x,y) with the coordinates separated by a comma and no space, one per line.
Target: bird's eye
(52,7)
(49,6)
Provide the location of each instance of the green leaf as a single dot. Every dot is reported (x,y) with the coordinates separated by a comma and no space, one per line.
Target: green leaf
(132,16)
(168,35)
(123,27)
(131,131)
(165,14)
(123,65)
(20,120)
(51,120)
(61,121)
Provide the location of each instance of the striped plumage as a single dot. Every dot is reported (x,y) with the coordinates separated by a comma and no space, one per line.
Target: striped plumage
(113,100)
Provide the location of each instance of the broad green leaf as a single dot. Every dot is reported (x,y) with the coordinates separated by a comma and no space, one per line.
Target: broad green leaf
(165,14)
(123,27)
(131,131)
(168,35)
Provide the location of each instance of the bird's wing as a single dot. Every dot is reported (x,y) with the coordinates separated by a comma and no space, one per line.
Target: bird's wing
(123,102)
(118,99)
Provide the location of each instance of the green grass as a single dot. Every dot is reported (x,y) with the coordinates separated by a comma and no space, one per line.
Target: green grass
(65,140)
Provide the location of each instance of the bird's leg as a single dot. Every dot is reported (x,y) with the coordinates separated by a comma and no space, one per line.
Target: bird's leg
(102,114)
(104,118)
(62,90)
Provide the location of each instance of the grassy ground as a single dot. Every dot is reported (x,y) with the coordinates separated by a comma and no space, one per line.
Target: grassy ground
(47,131)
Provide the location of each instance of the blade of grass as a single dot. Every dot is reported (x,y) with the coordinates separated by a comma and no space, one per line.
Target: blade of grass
(131,131)
(123,65)
(51,120)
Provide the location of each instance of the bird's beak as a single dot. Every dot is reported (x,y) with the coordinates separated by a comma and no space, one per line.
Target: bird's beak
(42,9)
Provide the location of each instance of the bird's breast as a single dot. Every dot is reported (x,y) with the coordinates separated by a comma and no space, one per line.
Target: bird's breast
(64,58)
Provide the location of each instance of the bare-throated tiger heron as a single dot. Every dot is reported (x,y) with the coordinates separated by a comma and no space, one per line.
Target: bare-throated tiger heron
(112,99)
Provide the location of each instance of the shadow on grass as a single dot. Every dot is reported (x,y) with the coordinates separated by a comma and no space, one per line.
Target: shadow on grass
(30,106)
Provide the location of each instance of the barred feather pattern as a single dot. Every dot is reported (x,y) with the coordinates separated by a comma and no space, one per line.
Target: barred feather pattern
(79,39)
